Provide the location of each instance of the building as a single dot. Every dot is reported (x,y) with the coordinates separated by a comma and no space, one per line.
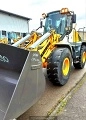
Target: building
(13,26)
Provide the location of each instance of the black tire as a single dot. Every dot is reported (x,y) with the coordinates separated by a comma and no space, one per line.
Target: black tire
(80,64)
(54,67)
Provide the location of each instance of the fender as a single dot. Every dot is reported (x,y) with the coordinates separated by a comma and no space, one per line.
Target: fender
(65,45)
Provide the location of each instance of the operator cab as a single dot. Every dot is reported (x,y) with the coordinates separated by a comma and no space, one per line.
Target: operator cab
(61,21)
(56,21)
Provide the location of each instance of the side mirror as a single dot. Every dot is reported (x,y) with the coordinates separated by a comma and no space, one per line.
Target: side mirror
(74,18)
(41,23)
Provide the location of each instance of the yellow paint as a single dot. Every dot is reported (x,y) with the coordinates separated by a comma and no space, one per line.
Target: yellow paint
(65,66)
(47,46)
(84,57)
(76,37)
(4,40)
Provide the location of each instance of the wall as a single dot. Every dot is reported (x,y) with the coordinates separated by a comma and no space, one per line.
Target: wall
(13,23)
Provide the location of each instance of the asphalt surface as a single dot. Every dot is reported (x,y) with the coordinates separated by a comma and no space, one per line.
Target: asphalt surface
(76,106)
(52,96)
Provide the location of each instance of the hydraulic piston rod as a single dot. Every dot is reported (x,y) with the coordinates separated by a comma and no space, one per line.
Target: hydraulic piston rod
(40,40)
(21,40)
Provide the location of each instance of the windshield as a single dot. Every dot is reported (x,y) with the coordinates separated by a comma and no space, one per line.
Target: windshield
(57,21)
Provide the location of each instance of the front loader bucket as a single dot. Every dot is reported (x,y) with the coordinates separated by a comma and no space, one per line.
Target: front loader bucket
(21,80)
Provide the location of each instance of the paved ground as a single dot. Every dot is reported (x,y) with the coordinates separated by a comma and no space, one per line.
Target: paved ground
(52,95)
(76,106)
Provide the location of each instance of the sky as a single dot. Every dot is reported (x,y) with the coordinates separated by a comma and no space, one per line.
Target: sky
(34,9)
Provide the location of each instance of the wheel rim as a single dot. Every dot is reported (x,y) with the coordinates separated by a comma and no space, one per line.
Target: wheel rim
(65,66)
(84,57)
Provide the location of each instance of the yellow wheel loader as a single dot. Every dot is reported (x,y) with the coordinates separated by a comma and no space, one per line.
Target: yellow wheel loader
(22,81)
(60,45)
